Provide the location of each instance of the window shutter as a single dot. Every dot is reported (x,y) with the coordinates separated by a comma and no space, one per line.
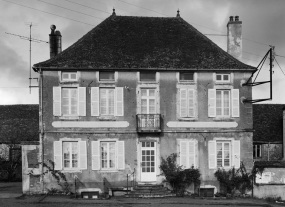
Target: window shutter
(56,101)
(95,101)
(121,155)
(57,154)
(212,154)
(81,101)
(212,102)
(119,101)
(82,155)
(95,155)
(236,154)
(191,104)
(191,153)
(183,102)
(183,154)
(235,102)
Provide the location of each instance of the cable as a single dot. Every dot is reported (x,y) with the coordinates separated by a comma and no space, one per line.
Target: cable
(87,6)
(279,66)
(50,13)
(251,53)
(280,56)
(70,9)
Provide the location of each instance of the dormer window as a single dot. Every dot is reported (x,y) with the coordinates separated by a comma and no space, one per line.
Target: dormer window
(148,76)
(107,76)
(185,77)
(225,77)
(69,76)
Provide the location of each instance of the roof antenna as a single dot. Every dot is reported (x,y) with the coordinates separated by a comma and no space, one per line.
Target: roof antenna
(178,15)
(114,13)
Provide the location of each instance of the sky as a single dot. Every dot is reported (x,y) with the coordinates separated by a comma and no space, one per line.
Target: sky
(263,24)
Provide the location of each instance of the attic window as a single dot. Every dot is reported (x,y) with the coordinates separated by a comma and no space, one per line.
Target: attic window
(69,76)
(147,76)
(222,77)
(257,151)
(107,76)
(186,77)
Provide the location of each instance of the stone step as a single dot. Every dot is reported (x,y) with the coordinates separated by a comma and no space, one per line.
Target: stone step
(150,195)
(149,192)
(148,187)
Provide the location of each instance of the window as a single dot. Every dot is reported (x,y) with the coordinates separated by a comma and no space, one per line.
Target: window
(186,77)
(69,101)
(222,77)
(107,76)
(148,101)
(223,154)
(108,155)
(69,76)
(107,101)
(223,103)
(147,76)
(187,153)
(187,105)
(257,151)
(70,155)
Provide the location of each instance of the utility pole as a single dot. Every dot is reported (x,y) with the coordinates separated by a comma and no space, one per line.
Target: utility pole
(31,40)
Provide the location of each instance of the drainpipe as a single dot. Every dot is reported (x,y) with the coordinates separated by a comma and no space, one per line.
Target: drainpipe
(268,153)
(42,128)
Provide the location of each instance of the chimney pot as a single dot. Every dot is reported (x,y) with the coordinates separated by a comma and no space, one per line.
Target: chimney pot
(54,41)
(231,18)
(236,18)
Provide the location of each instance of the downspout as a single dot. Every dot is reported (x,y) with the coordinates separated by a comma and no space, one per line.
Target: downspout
(42,128)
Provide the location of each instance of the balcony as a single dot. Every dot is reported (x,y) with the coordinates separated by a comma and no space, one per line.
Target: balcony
(148,123)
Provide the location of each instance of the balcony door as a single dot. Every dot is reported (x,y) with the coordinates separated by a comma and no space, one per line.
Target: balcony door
(148,161)
(148,101)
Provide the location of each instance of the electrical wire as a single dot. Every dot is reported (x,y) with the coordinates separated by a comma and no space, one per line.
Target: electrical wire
(280,56)
(279,66)
(87,6)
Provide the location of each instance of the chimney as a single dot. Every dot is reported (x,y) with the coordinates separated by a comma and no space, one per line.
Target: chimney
(54,41)
(234,37)
(283,123)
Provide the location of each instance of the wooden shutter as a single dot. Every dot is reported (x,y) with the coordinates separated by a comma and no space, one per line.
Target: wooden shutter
(82,155)
(95,155)
(212,154)
(235,102)
(236,154)
(95,101)
(121,155)
(56,101)
(57,155)
(119,107)
(183,102)
(191,103)
(183,154)
(81,101)
(191,154)
(212,102)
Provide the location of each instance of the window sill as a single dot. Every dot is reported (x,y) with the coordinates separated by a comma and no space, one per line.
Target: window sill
(71,171)
(187,119)
(108,171)
(107,118)
(69,82)
(148,82)
(187,83)
(223,83)
(229,119)
(69,117)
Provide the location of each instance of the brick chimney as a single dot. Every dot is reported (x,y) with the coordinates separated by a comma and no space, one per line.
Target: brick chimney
(54,41)
(234,37)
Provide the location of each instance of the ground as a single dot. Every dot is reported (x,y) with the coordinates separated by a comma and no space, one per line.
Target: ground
(10,196)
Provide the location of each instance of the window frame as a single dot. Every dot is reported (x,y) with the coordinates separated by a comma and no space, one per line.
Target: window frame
(223,153)
(69,101)
(185,81)
(108,89)
(107,80)
(148,98)
(222,78)
(148,81)
(108,155)
(70,159)
(223,102)
(69,76)
(256,150)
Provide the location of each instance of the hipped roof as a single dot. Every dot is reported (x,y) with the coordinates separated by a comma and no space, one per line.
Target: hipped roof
(126,42)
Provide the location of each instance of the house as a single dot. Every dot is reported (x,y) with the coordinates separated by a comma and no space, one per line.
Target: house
(135,89)
(19,123)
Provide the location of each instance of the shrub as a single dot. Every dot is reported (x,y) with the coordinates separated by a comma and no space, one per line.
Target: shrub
(179,179)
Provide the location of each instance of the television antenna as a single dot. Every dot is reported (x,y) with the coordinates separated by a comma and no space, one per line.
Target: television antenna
(31,40)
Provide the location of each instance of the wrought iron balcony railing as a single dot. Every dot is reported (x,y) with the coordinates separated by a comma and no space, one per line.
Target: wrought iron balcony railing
(148,122)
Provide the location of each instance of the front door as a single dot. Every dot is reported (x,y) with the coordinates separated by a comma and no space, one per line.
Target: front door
(148,161)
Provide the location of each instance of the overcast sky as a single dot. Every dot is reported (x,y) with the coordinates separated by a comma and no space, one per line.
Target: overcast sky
(263,24)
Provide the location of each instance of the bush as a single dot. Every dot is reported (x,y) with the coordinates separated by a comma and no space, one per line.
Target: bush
(179,179)
(235,179)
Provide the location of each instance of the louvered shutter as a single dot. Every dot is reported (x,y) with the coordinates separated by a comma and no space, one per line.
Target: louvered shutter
(235,102)
(236,154)
(212,102)
(57,154)
(82,155)
(95,101)
(121,155)
(119,101)
(81,101)
(95,145)
(191,154)
(212,154)
(183,154)
(191,104)
(56,101)
(183,102)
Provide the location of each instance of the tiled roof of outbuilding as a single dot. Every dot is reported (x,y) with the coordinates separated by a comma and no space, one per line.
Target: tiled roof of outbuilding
(19,123)
(268,122)
(144,42)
